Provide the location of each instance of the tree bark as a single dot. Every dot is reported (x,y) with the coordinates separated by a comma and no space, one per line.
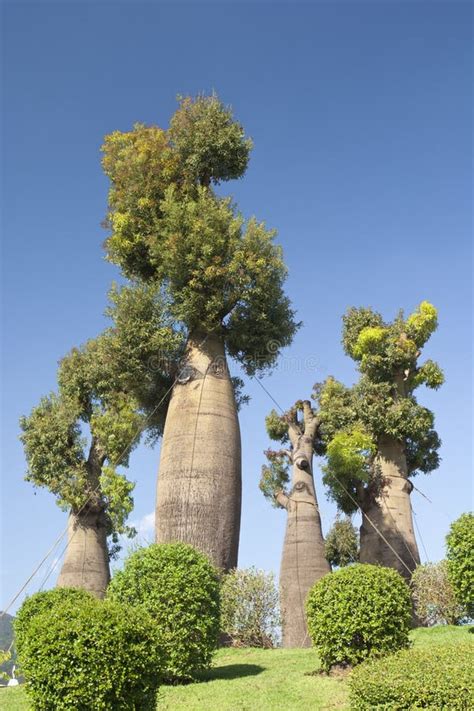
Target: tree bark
(86,564)
(199,483)
(303,560)
(390,510)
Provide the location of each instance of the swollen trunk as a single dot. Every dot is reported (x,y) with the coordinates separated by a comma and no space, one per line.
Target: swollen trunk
(199,483)
(390,511)
(303,560)
(86,564)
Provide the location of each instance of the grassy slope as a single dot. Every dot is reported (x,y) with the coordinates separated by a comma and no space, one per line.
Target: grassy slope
(262,679)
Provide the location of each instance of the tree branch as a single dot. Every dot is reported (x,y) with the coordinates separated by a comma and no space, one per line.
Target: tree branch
(282,499)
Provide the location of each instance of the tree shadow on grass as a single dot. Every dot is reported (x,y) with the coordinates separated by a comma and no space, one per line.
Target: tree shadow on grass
(231,671)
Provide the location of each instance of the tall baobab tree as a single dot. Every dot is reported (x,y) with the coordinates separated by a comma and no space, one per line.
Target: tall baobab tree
(303,560)
(378,437)
(222,278)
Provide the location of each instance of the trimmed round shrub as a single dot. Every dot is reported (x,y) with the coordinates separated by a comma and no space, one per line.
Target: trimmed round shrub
(433,595)
(90,654)
(249,608)
(460,555)
(358,612)
(179,588)
(43,602)
(438,677)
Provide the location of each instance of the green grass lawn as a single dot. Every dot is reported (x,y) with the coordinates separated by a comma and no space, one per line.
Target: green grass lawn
(260,679)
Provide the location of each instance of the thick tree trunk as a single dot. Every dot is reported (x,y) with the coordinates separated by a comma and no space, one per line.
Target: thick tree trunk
(86,564)
(199,484)
(390,510)
(303,560)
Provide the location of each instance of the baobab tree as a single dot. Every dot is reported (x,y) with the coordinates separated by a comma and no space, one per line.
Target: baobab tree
(378,437)
(222,278)
(76,439)
(303,560)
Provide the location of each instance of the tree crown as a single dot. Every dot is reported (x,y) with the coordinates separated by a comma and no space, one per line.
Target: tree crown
(221,274)
(381,404)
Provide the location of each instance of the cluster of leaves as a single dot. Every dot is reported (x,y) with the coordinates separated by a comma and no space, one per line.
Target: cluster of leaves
(249,608)
(79,652)
(437,677)
(5,657)
(180,589)
(275,476)
(433,595)
(58,454)
(358,612)
(460,561)
(382,404)
(170,228)
(342,543)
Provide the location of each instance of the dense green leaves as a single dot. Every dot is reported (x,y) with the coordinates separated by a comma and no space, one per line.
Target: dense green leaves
(179,588)
(382,404)
(437,677)
(53,446)
(210,145)
(216,272)
(460,557)
(81,653)
(358,612)
(41,602)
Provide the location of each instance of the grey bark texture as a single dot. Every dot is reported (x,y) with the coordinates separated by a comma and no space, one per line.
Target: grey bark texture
(86,563)
(198,497)
(303,560)
(390,510)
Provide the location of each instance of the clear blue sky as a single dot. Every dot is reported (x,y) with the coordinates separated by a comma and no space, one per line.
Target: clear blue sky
(360,115)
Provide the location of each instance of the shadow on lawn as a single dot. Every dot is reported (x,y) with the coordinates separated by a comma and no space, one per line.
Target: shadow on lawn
(231,671)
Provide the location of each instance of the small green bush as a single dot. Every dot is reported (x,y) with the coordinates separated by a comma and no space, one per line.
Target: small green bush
(249,608)
(341,547)
(438,677)
(90,654)
(180,588)
(460,556)
(358,612)
(42,602)
(433,595)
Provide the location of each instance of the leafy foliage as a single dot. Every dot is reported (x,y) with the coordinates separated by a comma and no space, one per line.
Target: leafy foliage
(211,146)
(57,452)
(349,457)
(143,348)
(87,654)
(179,588)
(342,543)
(433,595)
(249,608)
(169,228)
(44,601)
(382,404)
(5,657)
(437,677)
(358,612)
(275,476)
(460,558)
